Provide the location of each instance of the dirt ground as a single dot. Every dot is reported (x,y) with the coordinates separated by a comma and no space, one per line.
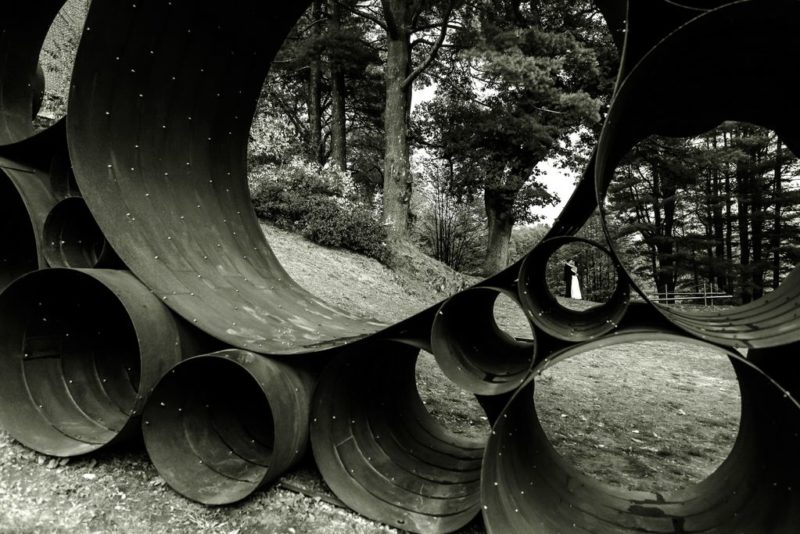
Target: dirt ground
(652,416)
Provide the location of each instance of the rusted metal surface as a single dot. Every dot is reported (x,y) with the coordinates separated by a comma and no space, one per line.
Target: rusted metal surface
(161,100)
(221,425)
(79,352)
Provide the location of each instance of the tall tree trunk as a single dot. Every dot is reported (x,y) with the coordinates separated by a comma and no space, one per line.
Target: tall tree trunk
(743,210)
(776,238)
(499,204)
(338,95)
(397,173)
(315,152)
(717,223)
(719,236)
(728,223)
(757,225)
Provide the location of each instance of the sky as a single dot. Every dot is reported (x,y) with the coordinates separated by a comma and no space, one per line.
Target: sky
(558,181)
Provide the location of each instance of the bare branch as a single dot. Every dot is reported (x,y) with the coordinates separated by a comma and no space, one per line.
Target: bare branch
(433,51)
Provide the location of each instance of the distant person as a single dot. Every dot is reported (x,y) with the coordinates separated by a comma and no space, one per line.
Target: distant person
(572,286)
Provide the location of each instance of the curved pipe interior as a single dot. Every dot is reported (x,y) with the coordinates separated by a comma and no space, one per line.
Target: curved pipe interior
(713,87)
(528,487)
(219,426)
(552,317)
(158,135)
(382,453)
(473,351)
(72,237)
(79,352)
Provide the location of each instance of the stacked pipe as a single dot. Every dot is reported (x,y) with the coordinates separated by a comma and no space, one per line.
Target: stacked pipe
(139,293)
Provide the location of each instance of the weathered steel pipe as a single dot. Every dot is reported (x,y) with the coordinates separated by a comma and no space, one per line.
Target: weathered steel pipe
(219,426)
(73,239)
(79,352)
(528,487)
(684,87)
(27,166)
(160,107)
(18,249)
(62,178)
(473,351)
(382,453)
(547,313)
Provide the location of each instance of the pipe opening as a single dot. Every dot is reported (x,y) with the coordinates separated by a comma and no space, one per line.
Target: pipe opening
(528,486)
(383,453)
(209,429)
(473,350)
(70,367)
(220,426)
(581,276)
(652,416)
(510,318)
(456,410)
(707,229)
(72,237)
(565,318)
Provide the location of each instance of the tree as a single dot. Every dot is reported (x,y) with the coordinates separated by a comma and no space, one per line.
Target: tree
(406,59)
(520,90)
(327,50)
(645,200)
(451,229)
(716,211)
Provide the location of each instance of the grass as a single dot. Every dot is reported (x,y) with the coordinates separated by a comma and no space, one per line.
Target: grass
(651,416)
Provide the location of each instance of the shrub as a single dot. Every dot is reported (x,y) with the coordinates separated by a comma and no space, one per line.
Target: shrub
(320,205)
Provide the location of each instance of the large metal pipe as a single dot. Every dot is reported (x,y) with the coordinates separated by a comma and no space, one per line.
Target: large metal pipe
(547,313)
(473,351)
(219,426)
(382,453)
(73,239)
(668,94)
(80,351)
(528,487)
(158,135)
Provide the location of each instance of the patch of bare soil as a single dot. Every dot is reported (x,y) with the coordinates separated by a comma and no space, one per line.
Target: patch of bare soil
(591,405)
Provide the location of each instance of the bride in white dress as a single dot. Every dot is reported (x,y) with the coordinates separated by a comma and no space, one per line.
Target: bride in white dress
(573,284)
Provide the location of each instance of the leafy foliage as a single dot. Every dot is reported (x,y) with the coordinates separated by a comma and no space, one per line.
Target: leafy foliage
(527,78)
(319,203)
(450,229)
(718,211)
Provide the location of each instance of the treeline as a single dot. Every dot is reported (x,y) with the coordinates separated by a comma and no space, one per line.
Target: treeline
(712,213)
